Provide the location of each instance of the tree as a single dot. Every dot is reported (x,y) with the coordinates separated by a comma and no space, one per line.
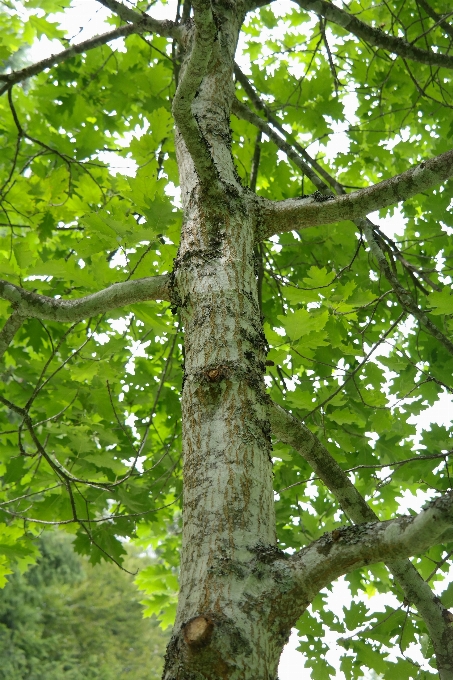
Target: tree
(310,339)
(67,619)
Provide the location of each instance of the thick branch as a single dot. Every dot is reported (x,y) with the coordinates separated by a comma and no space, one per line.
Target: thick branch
(166,28)
(8,331)
(32,70)
(293,213)
(375,36)
(32,305)
(192,76)
(404,297)
(291,431)
(349,548)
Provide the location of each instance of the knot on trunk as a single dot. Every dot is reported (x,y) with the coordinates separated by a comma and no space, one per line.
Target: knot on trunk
(216,373)
(198,632)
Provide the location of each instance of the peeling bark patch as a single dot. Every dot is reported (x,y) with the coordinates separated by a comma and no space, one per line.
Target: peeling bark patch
(198,632)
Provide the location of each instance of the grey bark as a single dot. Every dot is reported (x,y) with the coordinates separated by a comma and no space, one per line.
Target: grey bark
(293,213)
(228,494)
(32,305)
(8,332)
(239,596)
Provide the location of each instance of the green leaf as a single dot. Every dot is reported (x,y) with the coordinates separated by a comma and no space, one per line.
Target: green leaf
(442,302)
(301,322)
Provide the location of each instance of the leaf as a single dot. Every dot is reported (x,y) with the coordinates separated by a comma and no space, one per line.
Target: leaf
(299,295)
(318,277)
(147,193)
(345,416)
(442,302)
(301,322)
(354,615)
(106,460)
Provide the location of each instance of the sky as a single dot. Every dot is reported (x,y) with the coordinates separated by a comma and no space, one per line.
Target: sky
(85,19)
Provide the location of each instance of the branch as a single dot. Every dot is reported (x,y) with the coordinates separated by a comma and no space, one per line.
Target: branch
(32,305)
(242,111)
(189,83)
(166,28)
(289,430)
(404,297)
(32,70)
(276,123)
(375,36)
(300,213)
(349,548)
(437,17)
(8,331)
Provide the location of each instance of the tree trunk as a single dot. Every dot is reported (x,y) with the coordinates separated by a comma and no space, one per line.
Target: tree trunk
(224,626)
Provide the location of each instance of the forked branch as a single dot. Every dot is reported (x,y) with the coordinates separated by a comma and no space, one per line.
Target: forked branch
(349,548)
(448,28)
(18,76)
(405,298)
(292,149)
(242,111)
(277,124)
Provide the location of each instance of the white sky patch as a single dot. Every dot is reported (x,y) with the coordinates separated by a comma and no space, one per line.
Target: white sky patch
(82,21)
(118,164)
(393,225)
(119,259)
(440,413)
(120,325)
(130,422)
(137,349)
(409,501)
(175,193)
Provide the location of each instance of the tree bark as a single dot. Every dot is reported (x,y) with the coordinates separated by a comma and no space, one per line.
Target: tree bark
(239,594)
(222,628)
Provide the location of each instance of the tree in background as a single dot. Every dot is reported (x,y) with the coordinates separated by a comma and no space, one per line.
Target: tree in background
(66,619)
(302,339)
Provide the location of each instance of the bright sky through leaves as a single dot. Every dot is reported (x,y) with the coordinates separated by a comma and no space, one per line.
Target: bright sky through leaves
(139,344)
